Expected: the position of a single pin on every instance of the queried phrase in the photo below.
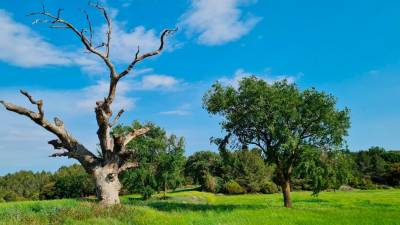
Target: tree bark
(287, 200)
(107, 184)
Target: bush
(232, 187)
(345, 188)
(210, 183)
(269, 187)
(147, 192)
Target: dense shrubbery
(231, 187)
(243, 170)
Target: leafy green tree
(394, 171)
(160, 157)
(23, 185)
(246, 167)
(325, 169)
(202, 164)
(372, 165)
(171, 164)
(280, 119)
(69, 182)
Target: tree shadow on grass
(175, 206)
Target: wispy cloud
(158, 81)
(218, 22)
(182, 110)
(21, 46)
(266, 75)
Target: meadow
(193, 207)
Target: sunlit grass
(193, 207)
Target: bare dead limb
(115, 121)
(149, 54)
(64, 141)
(128, 165)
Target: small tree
(171, 162)
(114, 154)
(161, 158)
(278, 118)
(201, 165)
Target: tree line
(236, 172)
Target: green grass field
(192, 207)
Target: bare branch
(128, 165)
(149, 54)
(135, 133)
(90, 27)
(39, 103)
(114, 122)
(86, 42)
(65, 140)
(109, 26)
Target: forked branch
(139, 57)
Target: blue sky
(348, 48)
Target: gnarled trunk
(107, 185)
(287, 200)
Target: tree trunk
(165, 188)
(107, 185)
(287, 200)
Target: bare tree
(114, 157)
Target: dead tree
(114, 157)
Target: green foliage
(280, 119)
(201, 164)
(269, 187)
(161, 159)
(23, 185)
(394, 171)
(67, 182)
(232, 187)
(246, 167)
(325, 169)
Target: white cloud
(267, 76)
(177, 112)
(156, 81)
(20, 46)
(182, 110)
(218, 22)
(124, 42)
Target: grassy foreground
(192, 207)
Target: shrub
(147, 192)
(232, 187)
(210, 183)
(345, 188)
(269, 187)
